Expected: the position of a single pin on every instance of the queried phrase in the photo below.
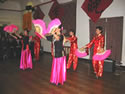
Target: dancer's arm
(12, 36)
(48, 37)
(72, 39)
(18, 35)
(89, 45)
(43, 37)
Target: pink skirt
(58, 71)
(26, 59)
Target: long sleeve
(102, 42)
(72, 39)
(49, 38)
(89, 45)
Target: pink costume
(58, 71)
(26, 58)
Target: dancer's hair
(100, 28)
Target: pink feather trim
(53, 24)
(102, 56)
(80, 53)
(7, 28)
(42, 26)
(10, 28)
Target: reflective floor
(36, 81)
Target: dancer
(36, 47)
(72, 57)
(58, 71)
(26, 58)
(98, 42)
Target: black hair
(60, 26)
(100, 28)
(71, 30)
(26, 30)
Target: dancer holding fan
(98, 42)
(58, 71)
(26, 58)
(12, 30)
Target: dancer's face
(25, 33)
(58, 31)
(71, 33)
(98, 31)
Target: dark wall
(69, 18)
(65, 12)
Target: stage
(36, 81)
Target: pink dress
(58, 71)
(26, 58)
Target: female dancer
(72, 57)
(98, 42)
(36, 47)
(58, 71)
(26, 58)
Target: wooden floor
(36, 81)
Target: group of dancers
(59, 65)
(26, 56)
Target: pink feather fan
(102, 56)
(53, 25)
(10, 28)
(81, 53)
(40, 27)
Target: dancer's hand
(66, 39)
(43, 36)
(101, 50)
(83, 48)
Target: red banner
(54, 0)
(38, 14)
(56, 11)
(94, 8)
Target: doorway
(113, 32)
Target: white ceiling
(41, 1)
(20, 4)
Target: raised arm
(72, 39)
